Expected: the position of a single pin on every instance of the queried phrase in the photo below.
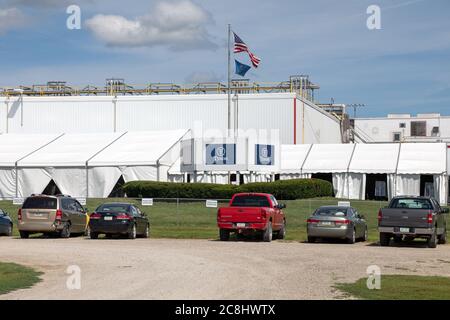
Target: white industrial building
(426, 127)
(294, 119)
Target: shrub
(282, 189)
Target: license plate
(108, 218)
(325, 223)
(404, 230)
(240, 225)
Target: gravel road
(203, 269)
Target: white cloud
(180, 25)
(11, 18)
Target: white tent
(145, 155)
(64, 161)
(330, 158)
(292, 159)
(14, 147)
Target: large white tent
(14, 147)
(292, 158)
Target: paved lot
(202, 269)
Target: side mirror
(362, 216)
(281, 206)
(86, 210)
(446, 210)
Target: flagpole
(229, 79)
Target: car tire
(433, 241)
(312, 239)
(268, 233)
(108, 235)
(282, 233)
(366, 235)
(224, 235)
(146, 233)
(93, 235)
(24, 234)
(443, 237)
(65, 232)
(385, 238)
(352, 238)
(398, 239)
(9, 231)
(132, 233)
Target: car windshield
(40, 203)
(331, 212)
(116, 207)
(405, 203)
(250, 201)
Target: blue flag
(241, 69)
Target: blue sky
(402, 68)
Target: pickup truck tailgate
(240, 214)
(413, 218)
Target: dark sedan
(6, 224)
(119, 219)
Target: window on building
(402, 125)
(435, 132)
(418, 128)
(397, 136)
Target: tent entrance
(117, 191)
(376, 187)
(51, 189)
(427, 185)
(323, 176)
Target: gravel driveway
(203, 269)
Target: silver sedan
(337, 222)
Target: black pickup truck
(407, 218)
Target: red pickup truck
(252, 212)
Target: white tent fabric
(293, 157)
(14, 147)
(349, 185)
(375, 158)
(145, 155)
(422, 158)
(440, 188)
(408, 184)
(63, 161)
(329, 158)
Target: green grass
(14, 277)
(400, 287)
(191, 219)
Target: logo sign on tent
(220, 154)
(265, 154)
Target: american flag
(240, 46)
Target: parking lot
(208, 269)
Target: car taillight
(380, 215)
(95, 216)
(342, 221)
(123, 216)
(59, 215)
(430, 217)
(312, 221)
(19, 215)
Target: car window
(411, 203)
(113, 207)
(138, 211)
(274, 201)
(78, 206)
(332, 212)
(250, 201)
(65, 204)
(40, 203)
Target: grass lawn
(14, 277)
(191, 219)
(400, 287)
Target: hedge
(282, 189)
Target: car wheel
(93, 235)
(224, 235)
(366, 235)
(24, 234)
(268, 233)
(65, 232)
(443, 237)
(384, 239)
(352, 238)
(398, 239)
(147, 232)
(311, 239)
(433, 241)
(108, 236)
(9, 231)
(282, 233)
(132, 233)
